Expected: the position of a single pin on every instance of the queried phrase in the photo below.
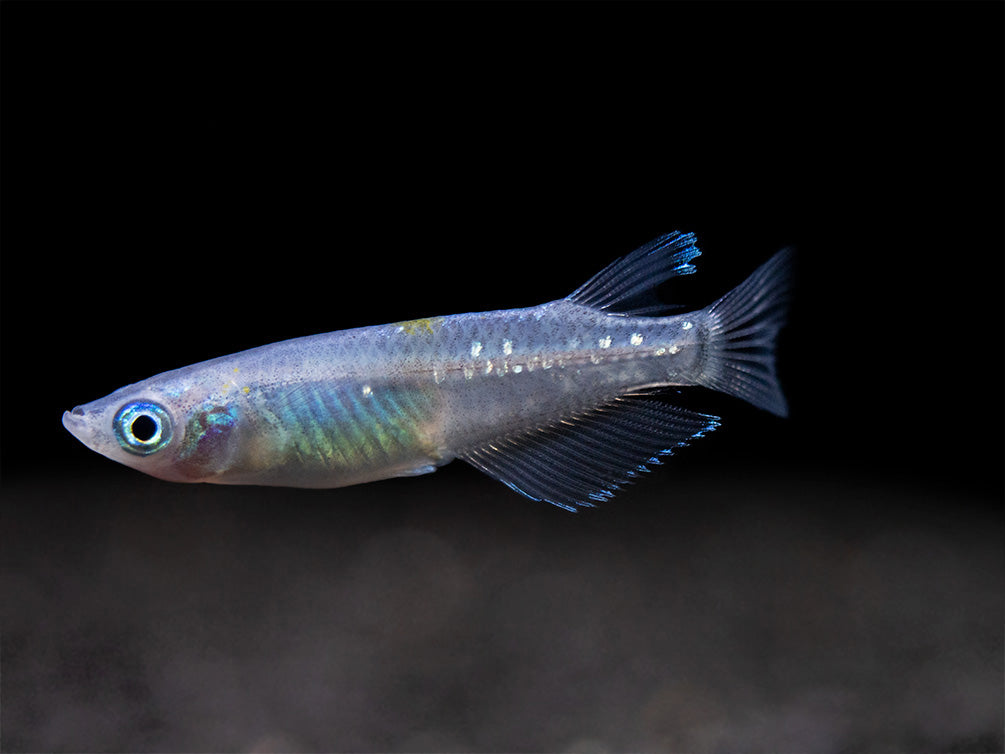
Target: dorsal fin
(583, 459)
(623, 285)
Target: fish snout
(76, 424)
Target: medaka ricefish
(557, 401)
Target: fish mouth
(77, 425)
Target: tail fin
(743, 327)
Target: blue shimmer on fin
(626, 285)
(418, 470)
(585, 459)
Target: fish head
(159, 429)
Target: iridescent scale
(346, 429)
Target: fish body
(554, 400)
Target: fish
(565, 402)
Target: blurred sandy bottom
(447, 614)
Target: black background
(182, 181)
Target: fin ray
(744, 324)
(626, 285)
(584, 458)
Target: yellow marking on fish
(245, 389)
(423, 326)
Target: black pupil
(143, 428)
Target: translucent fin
(626, 285)
(417, 471)
(743, 327)
(584, 459)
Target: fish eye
(142, 428)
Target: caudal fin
(743, 327)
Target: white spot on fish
(660, 351)
(488, 367)
(674, 349)
(507, 347)
(367, 390)
(468, 372)
(636, 339)
(686, 326)
(604, 342)
(476, 348)
(517, 368)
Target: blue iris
(142, 428)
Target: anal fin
(583, 459)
